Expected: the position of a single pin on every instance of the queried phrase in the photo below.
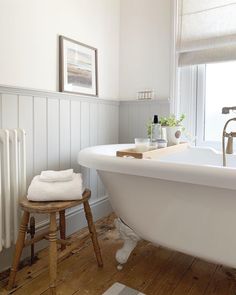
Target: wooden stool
(51, 208)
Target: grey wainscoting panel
(65, 134)
(26, 119)
(85, 136)
(9, 102)
(58, 125)
(40, 140)
(93, 140)
(135, 114)
(53, 134)
(75, 133)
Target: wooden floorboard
(150, 269)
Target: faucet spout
(226, 110)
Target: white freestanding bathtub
(185, 201)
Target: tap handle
(229, 147)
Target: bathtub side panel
(196, 220)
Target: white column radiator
(12, 183)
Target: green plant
(149, 128)
(172, 121)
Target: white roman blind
(206, 31)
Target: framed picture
(78, 67)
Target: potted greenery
(149, 128)
(173, 128)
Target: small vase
(173, 134)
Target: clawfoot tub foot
(130, 241)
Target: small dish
(162, 143)
(142, 144)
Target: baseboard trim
(75, 220)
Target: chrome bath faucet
(229, 135)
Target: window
(220, 91)
(205, 58)
(216, 88)
(204, 91)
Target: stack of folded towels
(56, 186)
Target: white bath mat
(120, 289)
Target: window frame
(192, 98)
(200, 105)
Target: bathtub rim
(208, 175)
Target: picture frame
(78, 70)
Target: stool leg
(93, 232)
(62, 228)
(53, 253)
(32, 234)
(18, 249)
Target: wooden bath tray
(153, 153)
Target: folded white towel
(55, 191)
(56, 176)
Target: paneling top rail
(53, 94)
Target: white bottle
(156, 129)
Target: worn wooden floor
(152, 270)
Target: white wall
(145, 41)
(29, 31)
